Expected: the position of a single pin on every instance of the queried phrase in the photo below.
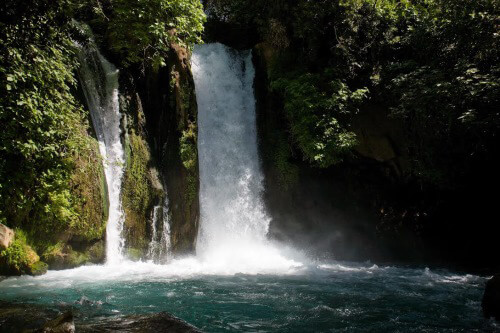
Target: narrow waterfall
(159, 246)
(99, 80)
(234, 223)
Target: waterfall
(234, 222)
(159, 246)
(99, 80)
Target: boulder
(158, 322)
(19, 258)
(62, 324)
(491, 298)
(31, 318)
(6, 236)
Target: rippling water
(319, 298)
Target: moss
(138, 191)
(97, 252)
(39, 268)
(188, 147)
(19, 258)
(135, 254)
(189, 158)
(191, 189)
(137, 194)
(62, 256)
(141, 191)
(89, 186)
(76, 259)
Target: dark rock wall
(141, 188)
(170, 108)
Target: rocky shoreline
(18, 317)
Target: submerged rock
(491, 298)
(159, 322)
(31, 318)
(6, 236)
(62, 324)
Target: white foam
(234, 223)
(347, 268)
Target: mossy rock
(88, 184)
(141, 191)
(97, 252)
(63, 256)
(39, 268)
(19, 258)
(135, 254)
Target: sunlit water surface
(315, 298)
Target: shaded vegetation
(433, 63)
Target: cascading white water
(159, 246)
(234, 223)
(99, 80)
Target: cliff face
(371, 206)
(142, 188)
(170, 108)
(161, 148)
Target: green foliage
(44, 126)
(313, 105)
(447, 88)
(189, 156)
(49, 162)
(143, 30)
(19, 258)
(51, 177)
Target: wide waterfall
(99, 80)
(234, 223)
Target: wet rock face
(142, 187)
(159, 322)
(169, 102)
(6, 236)
(31, 318)
(491, 298)
(62, 324)
(39, 319)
